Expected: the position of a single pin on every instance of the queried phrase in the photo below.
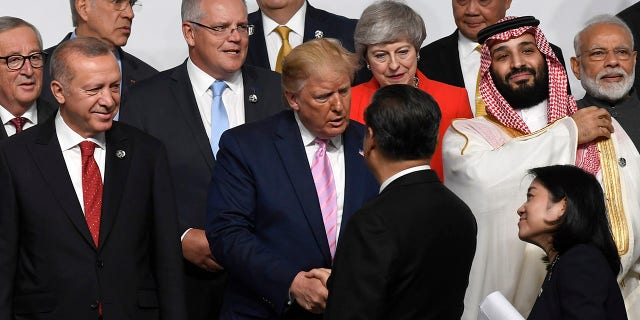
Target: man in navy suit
(265, 220)
(175, 107)
(306, 23)
(21, 65)
(110, 22)
(76, 245)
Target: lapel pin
(253, 98)
(361, 152)
(622, 162)
(319, 34)
(120, 154)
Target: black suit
(405, 255)
(133, 70)
(44, 110)
(580, 285)
(631, 16)
(165, 107)
(440, 60)
(317, 24)
(49, 265)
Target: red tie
(18, 122)
(91, 189)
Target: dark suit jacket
(631, 16)
(317, 24)
(133, 70)
(165, 107)
(580, 286)
(264, 219)
(44, 109)
(50, 267)
(405, 255)
(440, 60)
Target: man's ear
(575, 67)
(83, 7)
(188, 32)
(292, 100)
(57, 89)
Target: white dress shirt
(535, 117)
(335, 152)
(69, 141)
(402, 173)
(272, 38)
(470, 65)
(232, 97)
(31, 115)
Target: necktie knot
(322, 146)
(87, 148)
(19, 123)
(218, 87)
(283, 32)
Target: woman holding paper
(565, 215)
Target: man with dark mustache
(531, 121)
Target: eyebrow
(519, 45)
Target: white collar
(31, 114)
(69, 138)
(296, 23)
(201, 81)
(402, 173)
(466, 46)
(309, 139)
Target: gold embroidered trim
(613, 195)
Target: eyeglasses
(16, 61)
(225, 31)
(121, 5)
(601, 54)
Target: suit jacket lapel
(48, 157)
(257, 45)
(117, 166)
(310, 24)
(45, 110)
(289, 145)
(355, 170)
(186, 102)
(3, 132)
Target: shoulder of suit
(438, 45)
(324, 16)
(139, 65)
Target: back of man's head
(404, 121)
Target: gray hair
(388, 21)
(85, 46)
(600, 19)
(9, 23)
(191, 10)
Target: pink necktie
(18, 122)
(326, 188)
(91, 189)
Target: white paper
(496, 307)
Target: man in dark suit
(110, 22)
(175, 107)
(631, 16)
(21, 80)
(406, 254)
(454, 59)
(284, 187)
(305, 22)
(88, 218)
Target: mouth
(520, 76)
(337, 122)
(613, 77)
(232, 51)
(475, 24)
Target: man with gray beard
(605, 64)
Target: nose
(128, 12)
(520, 210)
(393, 62)
(611, 60)
(336, 102)
(109, 98)
(234, 34)
(517, 61)
(27, 69)
(472, 8)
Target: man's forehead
(524, 39)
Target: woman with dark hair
(565, 215)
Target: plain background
(157, 36)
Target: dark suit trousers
(203, 289)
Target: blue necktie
(219, 118)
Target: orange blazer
(453, 103)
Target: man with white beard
(605, 64)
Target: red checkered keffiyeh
(560, 104)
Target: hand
(309, 290)
(321, 274)
(592, 123)
(195, 248)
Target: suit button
(99, 264)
